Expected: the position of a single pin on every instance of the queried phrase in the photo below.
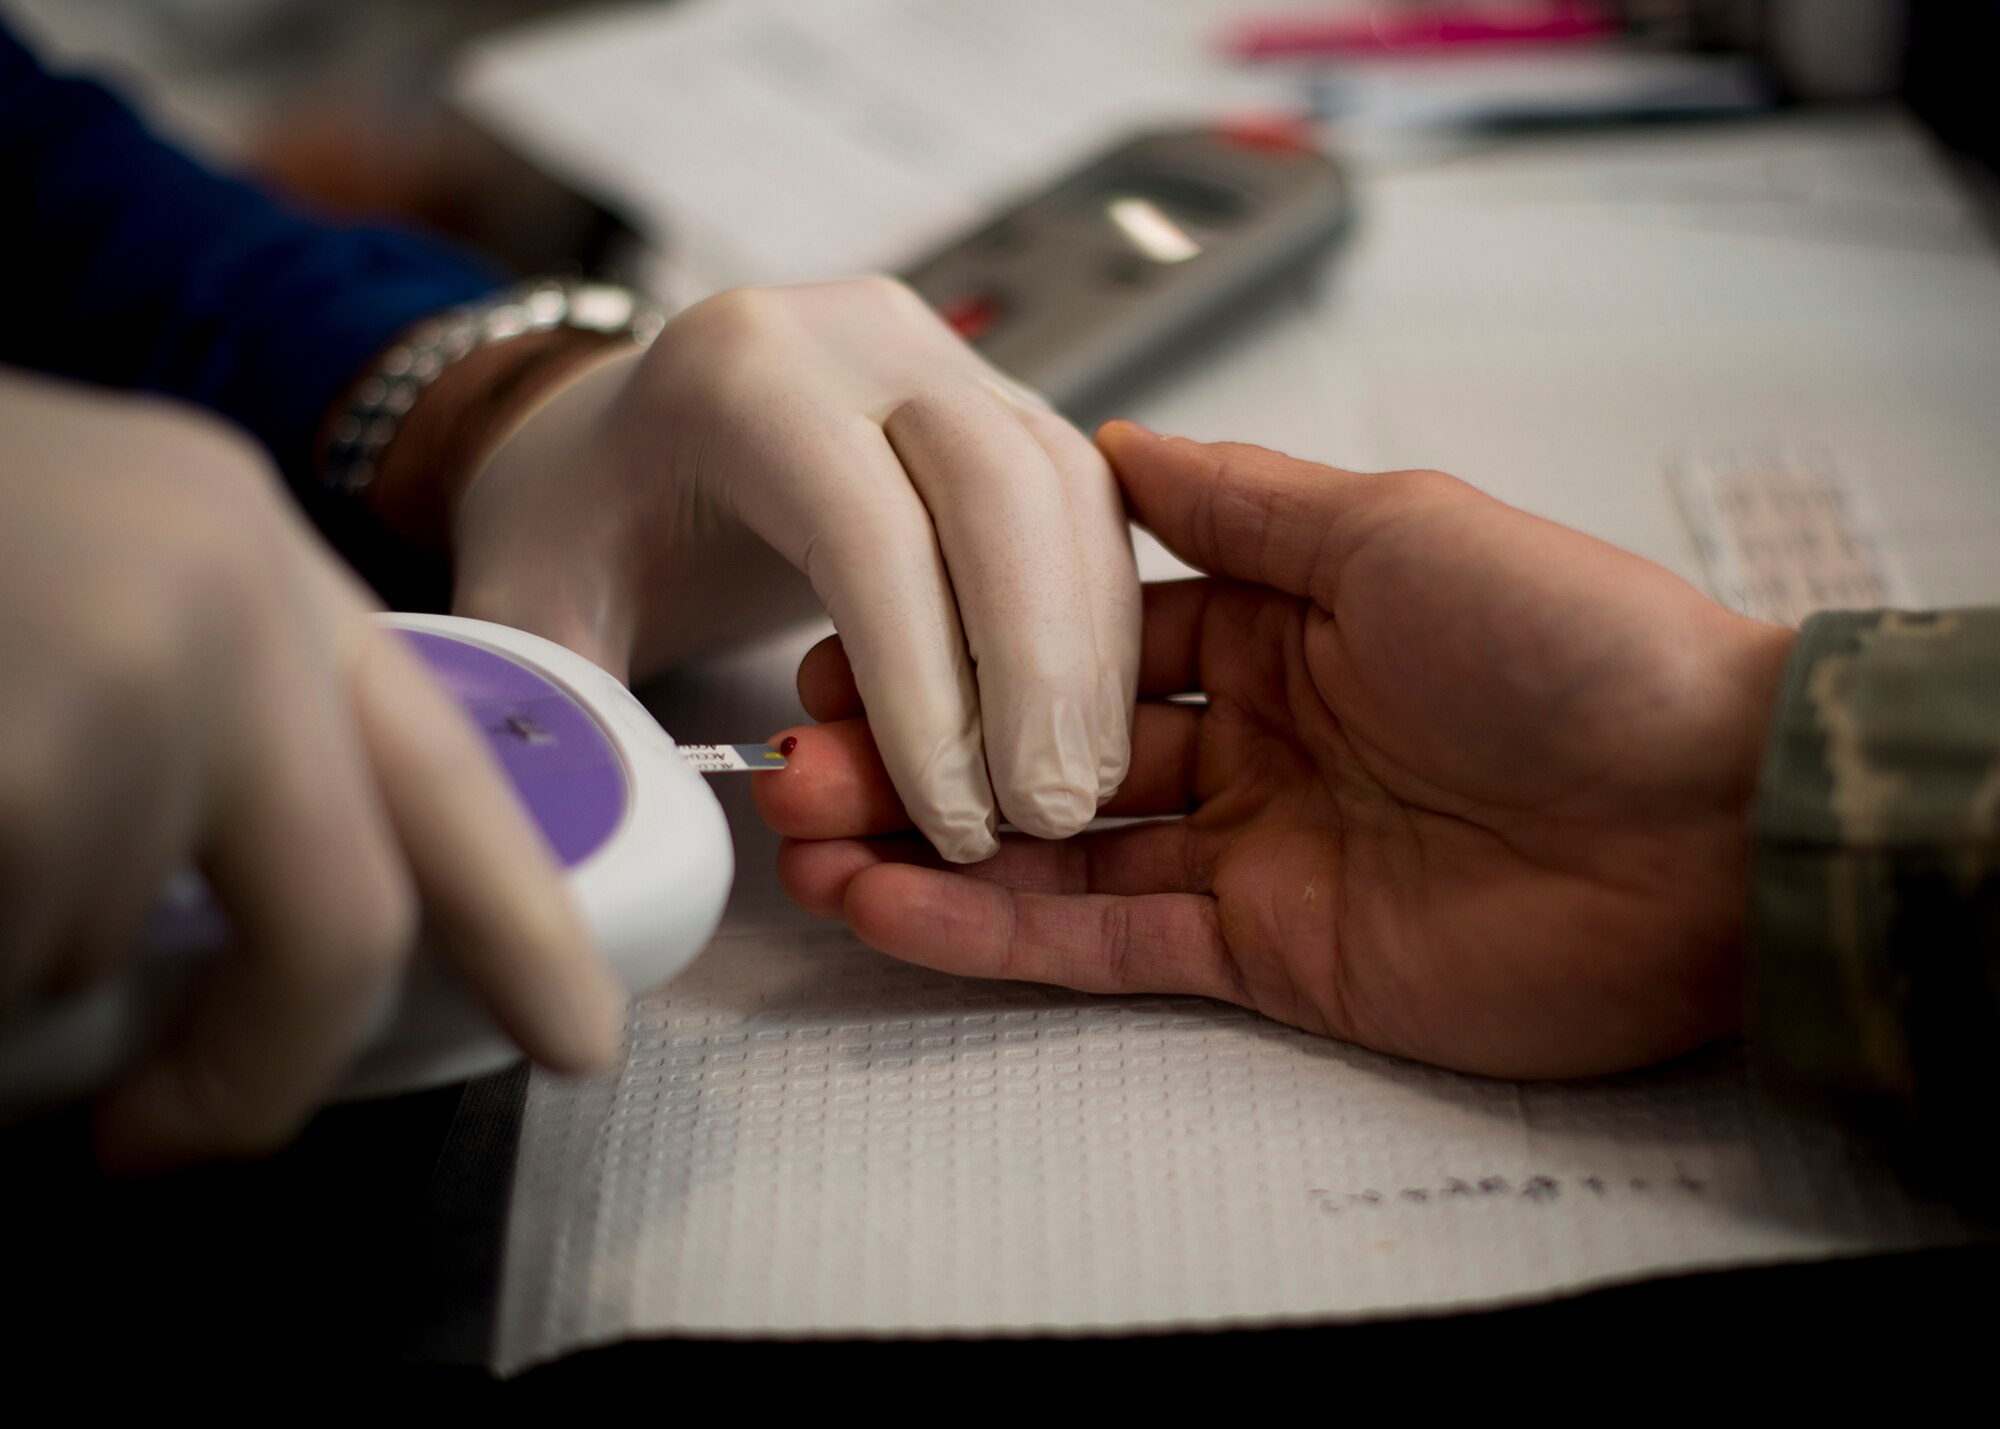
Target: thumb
(1248, 513)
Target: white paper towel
(807, 1137)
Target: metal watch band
(424, 352)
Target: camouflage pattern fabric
(1874, 919)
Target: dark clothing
(131, 265)
(1874, 926)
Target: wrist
(1764, 651)
(467, 415)
(413, 429)
(1754, 656)
(544, 532)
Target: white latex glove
(969, 544)
(191, 678)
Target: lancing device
(642, 838)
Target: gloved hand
(1468, 786)
(969, 544)
(192, 679)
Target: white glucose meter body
(644, 842)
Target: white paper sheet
(808, 1138)
(789, 140)
(1783, 532)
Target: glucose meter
(643, 840)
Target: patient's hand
(1469, 786)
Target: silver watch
(421, 355)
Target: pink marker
(1406, 29)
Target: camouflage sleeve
(1874, 920)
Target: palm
(1468, 787)
(1469, 821)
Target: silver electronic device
(1095, 284)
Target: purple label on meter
(565, 769)
(561, 763)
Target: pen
(1413, 29)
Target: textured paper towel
(808, 1137)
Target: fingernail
(1125, 429)
(1053, 773)
(969, 846)
(607, 1037)
(589, 1012)
(1056, 813)
(1114, 734)
(961, 833)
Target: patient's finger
(1168, 857)
(1165, 773)
(834, 785)
(826, 682)
(815, 872)
(1170, 657)
(1161, 942)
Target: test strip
(731, 758)
(1782, 532)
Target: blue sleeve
(131, 265)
